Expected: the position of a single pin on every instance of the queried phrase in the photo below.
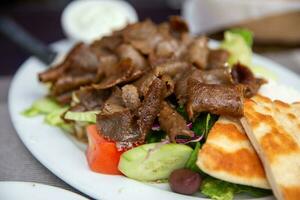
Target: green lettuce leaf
(88, 116)
(41, 106)
(238, 48)
(222, 190)
(217, 189)
(246, 34)
(238, 43)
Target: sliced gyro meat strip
(124, 72)
(92, 99)
(243, 75)
(216, 99)
(143, 36)
(150, 108)
(198, 52)
(127, 51)
(168, 85)
(172, 122)
(181, 85)
(172, 68)
(130, 97)
(69, 83)
(217, 58)
(118, 126)
(212, 76)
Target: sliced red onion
(189, 140)
(190, 125)
(165, 141)
(155, 127)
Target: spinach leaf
(203, 124)
(191, 163)
(255, 192)
(181, 110)
(155, 136)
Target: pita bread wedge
(273, 128)
(228, 155)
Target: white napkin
(211, 15)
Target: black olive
(185, 181)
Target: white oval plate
(62, 156)
(28, 190)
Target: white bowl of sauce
(87, 20)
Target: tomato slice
(102, 155)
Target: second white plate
(27, 191)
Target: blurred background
(276, 23)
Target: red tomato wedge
(102, 155)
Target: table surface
(17, 164)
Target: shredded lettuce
(54, 117)
(41, 106)
(88, 116)
(222, 190)
(52, 112)
(67, 127)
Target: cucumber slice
(155, 161)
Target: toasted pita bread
(273, 128)
(228, 155)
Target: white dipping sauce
(88, 20)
